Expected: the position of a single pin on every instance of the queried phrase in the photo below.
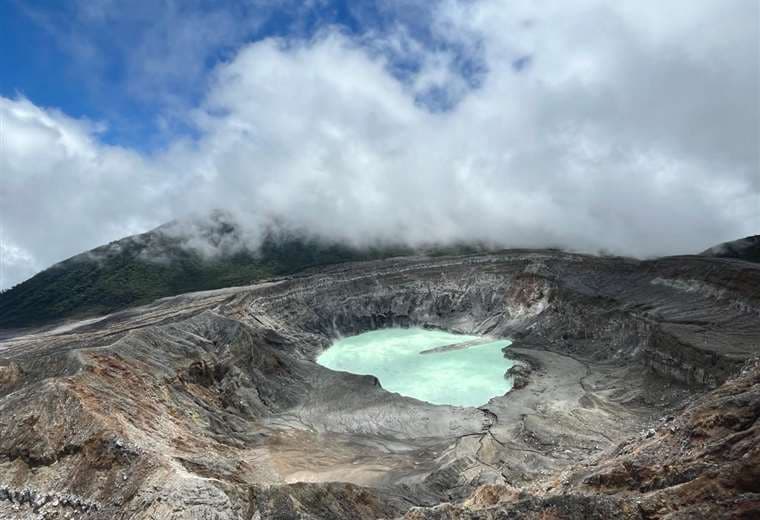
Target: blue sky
(80, 57)
(584, 124)
(57, 56)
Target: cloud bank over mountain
(630, 127)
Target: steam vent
(625, 389)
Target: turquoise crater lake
(467, 371)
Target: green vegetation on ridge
(142, 268)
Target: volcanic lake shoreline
(468, 375)
(210, 405)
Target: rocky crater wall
(210, 405)
(599, 308)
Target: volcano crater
(212, 404)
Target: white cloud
(62, 191)
(631, 129)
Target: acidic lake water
(462, 377)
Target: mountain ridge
(170, 260)
(205, 254)
(747, 248)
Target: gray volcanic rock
(521, 369)
(210, 405)
(705, 463)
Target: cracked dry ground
(636, 396)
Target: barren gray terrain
(211, 405)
